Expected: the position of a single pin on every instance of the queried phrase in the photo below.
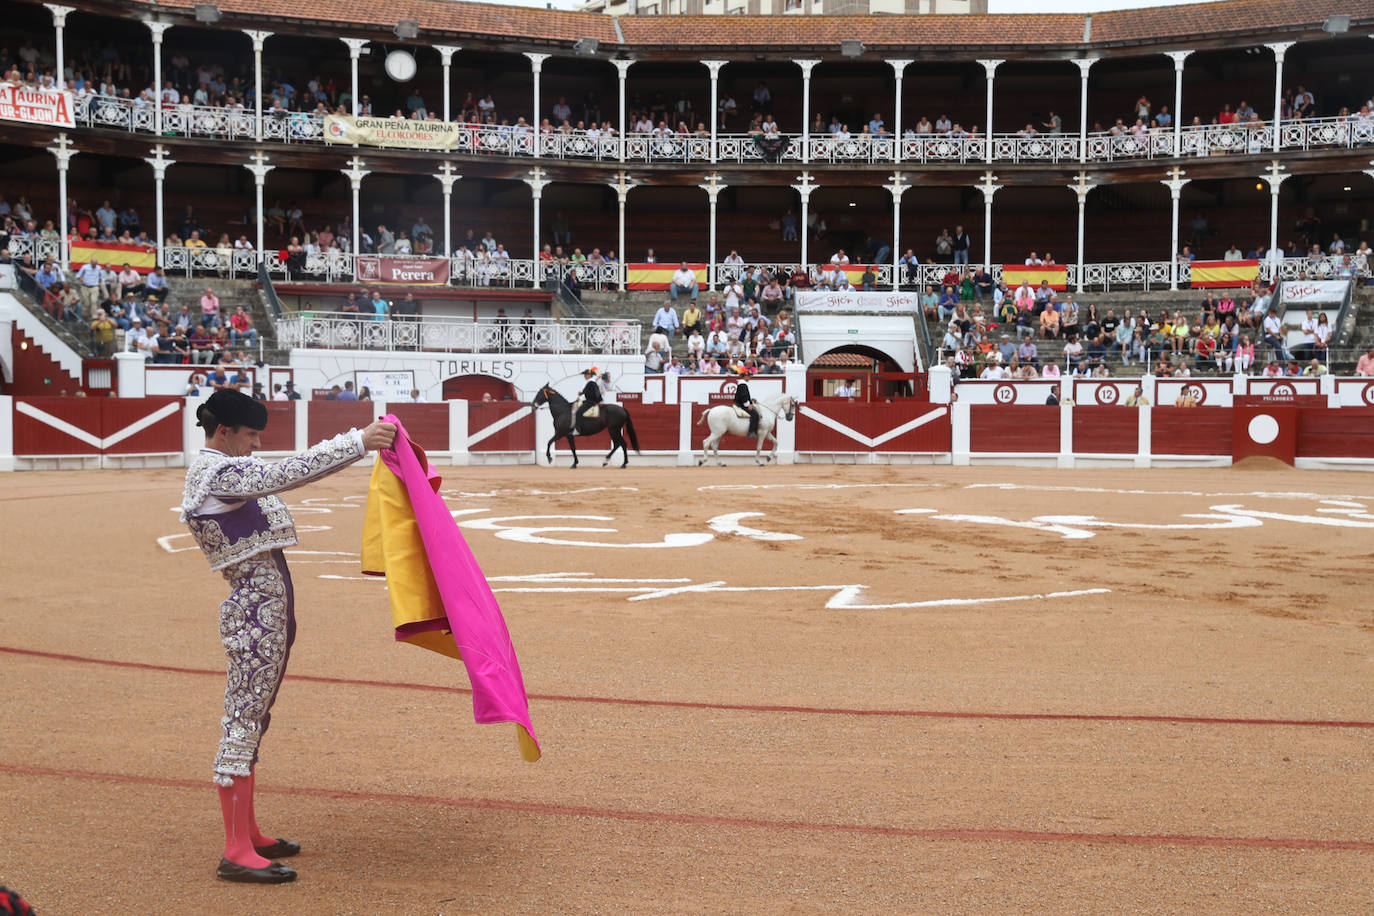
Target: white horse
(723, 419)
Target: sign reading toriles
(36, 106)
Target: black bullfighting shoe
(273, 873)
(278, 849)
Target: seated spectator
(241, 327)
(655, 358)
(665, 319)
(1049, 323)
(684, 283)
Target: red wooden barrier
(280, 434)
(1106, 430)
(517, 436)
(1344, 433)
(329, 418)
(1028, 428)
(94, 426)
(426, 424)
(902, 426)
(1190, 431)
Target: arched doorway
(475, 387)
(877, 374)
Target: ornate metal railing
(451, 335)
(520, 141)
(520, 273)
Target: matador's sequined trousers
(257, 625)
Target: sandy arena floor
(928, 697)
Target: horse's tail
(630, 429)
(701, 419)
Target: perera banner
(408, 271)
(394, 132)
(36, 106)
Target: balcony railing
(520, 142)
(337, 267)
(452, 335)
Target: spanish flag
(139, 258)
(658, 276)
(1219, 274)
(1015, 274)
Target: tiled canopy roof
(458, 20)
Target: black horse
(613, 418)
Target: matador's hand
(379, 435)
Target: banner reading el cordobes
(396, 133)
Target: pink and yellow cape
(440, 600)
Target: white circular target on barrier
(1004, 394)
(1263, 429)
(1106, 394)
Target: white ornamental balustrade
(539, 335)
(103, 112)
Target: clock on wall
(400, 66)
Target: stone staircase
(1358, 337)
(232, 294)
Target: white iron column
(1081, 188)
(259, 167)
(622, 186)
(355, 175)
(806, 67)
(1175, 185)
(1084, 65)
(804, 187)
(897, 186)
(1279, 48)
(63, 153)
(899, 69)
(1275, 177)
(537, 183)
(356, 46)
(536, 67)
(989, 187)
(990, 67)
(447, 177)
(713, 66)
(160, 164)
(622, 68)
(258, 38)
(713, 187)
(157, 28)
(59, 22)
(446, 52)
(1178, 58)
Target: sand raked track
(857, 689)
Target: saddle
(591, 413)
(740, 412)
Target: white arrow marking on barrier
(493, 429)
(76, 432)
(730, 524)
(876, 441)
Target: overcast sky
(995, 6)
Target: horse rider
(743, 399)
(591, 395)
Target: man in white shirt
(665, 320)
(1233, 254)
(88, 280)
(416, 397)
(684, 281)
(733, 259)
(1274, 333)
(842, 390)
